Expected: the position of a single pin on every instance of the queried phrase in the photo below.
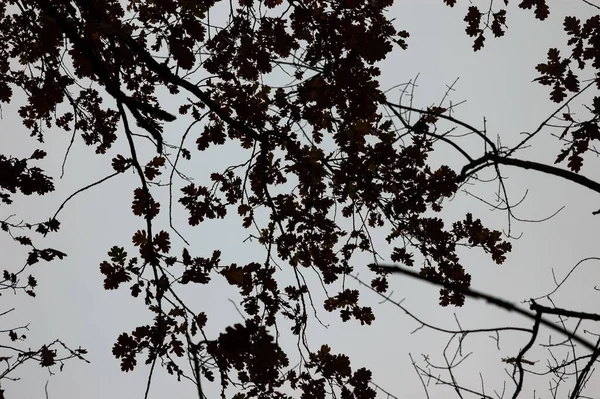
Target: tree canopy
(327, 158)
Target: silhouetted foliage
(109, 70)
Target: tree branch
(493, 300)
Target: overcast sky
(496, 84)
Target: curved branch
(519, 360)
(88, 187)
(551, 170)
(442, 116)
(558, 285)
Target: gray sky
(496, 84)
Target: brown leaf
(162, 242)
(558, 93)
(473, 20)
(38, 154)
(478, 43)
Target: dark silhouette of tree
(329, 144)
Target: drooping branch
(399, 305)
(501, 303)
(109, 82)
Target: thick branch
(548, 169)
(493, 300)
(565, 312)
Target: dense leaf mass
(325, 162)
